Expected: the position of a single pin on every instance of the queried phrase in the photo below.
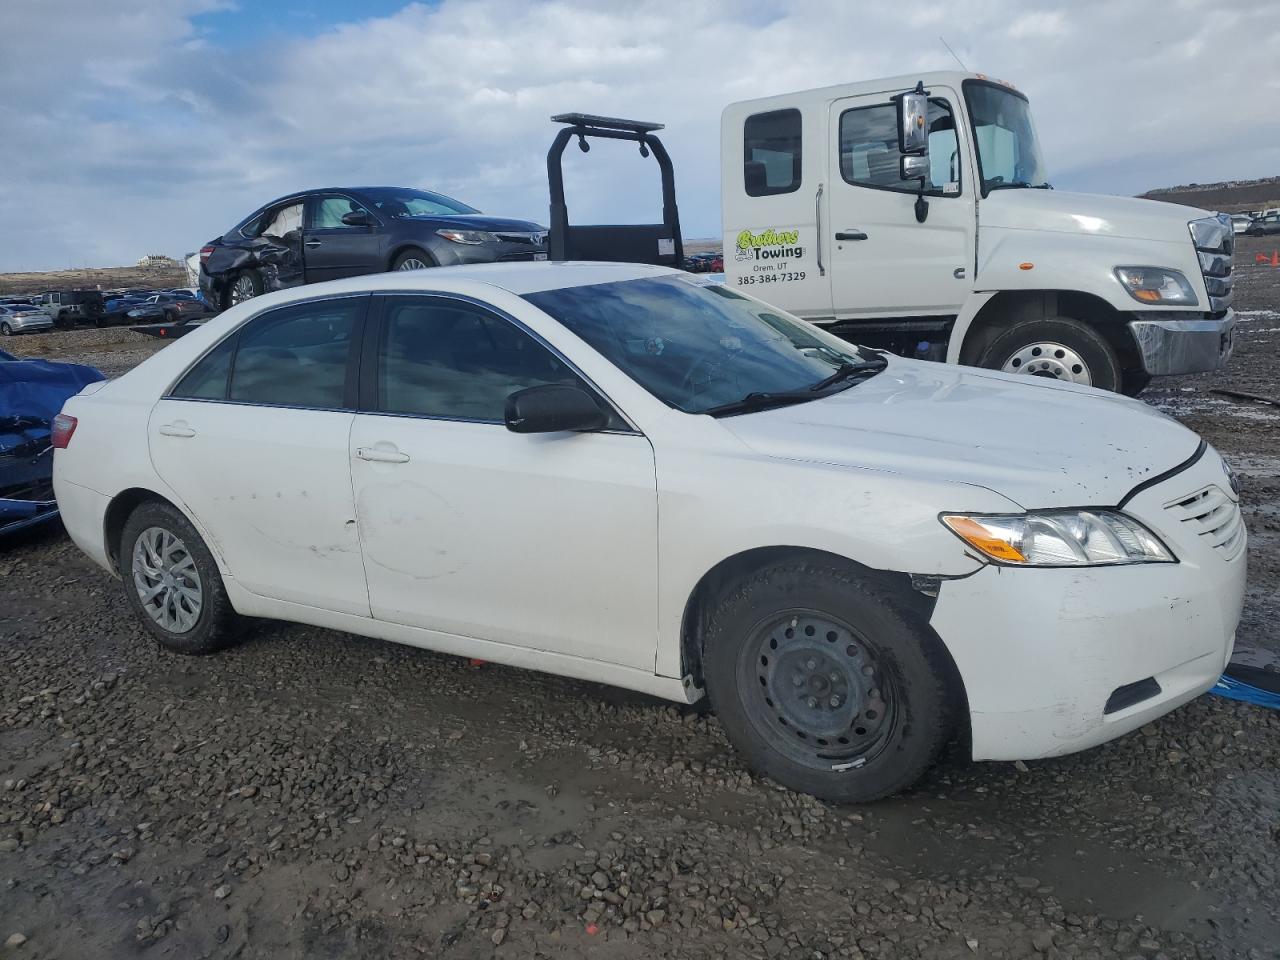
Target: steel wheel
(167, 581)
(412, 263)
(816, 691)
(242, 289)
(1054, 360)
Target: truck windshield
(699, 346)
(1008, 151)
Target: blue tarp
(31, 394)
(1234, 689)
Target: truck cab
(915, 213)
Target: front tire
(172, 582)
(1058, 348)
(6, 330)
(413, 259)
(825, 681)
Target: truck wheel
(1060, 348)
(413, 259)
(824, 684)
(172, 582)
(246, 285)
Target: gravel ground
(312, 794)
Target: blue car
(31, 394)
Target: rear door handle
(851, 234)
(382, 455)
(178, 428)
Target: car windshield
(1008, 151)
(398, 204)
(697, 345)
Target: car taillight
(204, 255)
(64, 425)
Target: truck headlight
(1156, 285)
(1060, 538)
(467, 236)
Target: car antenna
(658, 243)
(953, 53)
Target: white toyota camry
(627, 474)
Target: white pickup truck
(914, 213)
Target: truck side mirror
(913, 142)
(915, 168)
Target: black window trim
(955, 120)
(350, 386)
(799, 181)
(965, 87)
(372, 343)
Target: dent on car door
(542, 541)
(253, 439)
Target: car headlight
(1060, 538)
(1156, 285)
(467, 236)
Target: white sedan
(627, 474)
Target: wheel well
(1010, 306)
(118, 511)
(733, 569)
(404, 248)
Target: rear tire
(245, 285)
(6, 330)
(825, 682)
(172, 582)
(1060, 348)
(413, 259)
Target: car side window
(771, 153)
(326, 213)
(282, 221)
(869, 154)
(296, 356)
(207, 380)
(454, 360)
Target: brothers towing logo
(769, 244)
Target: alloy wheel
(242, 289)
(1054, 360)
(817, 691)
(167, 580)
(412, 263)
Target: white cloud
(146, 134)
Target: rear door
(253, 438)
(883, 261)
(333, 249)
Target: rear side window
(207, 380)
(449, 359)
(869, 154)
(296, 356)
(771, 153)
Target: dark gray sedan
(348, 231)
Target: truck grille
(1215, 242)
(1213, 515)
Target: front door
(253, 439)
(541, 541)
(334, 249)
(884, 262)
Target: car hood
(1038, 442)
(479, 221)
(1060, 212)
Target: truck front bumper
(1178, 343)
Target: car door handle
(312, 243)
(382, 455)
(851, 234)
(178, 428)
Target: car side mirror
(357, 218)
(553, 408)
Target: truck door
(883, 262)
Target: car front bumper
(33, 324)
(1043, 651)
(1177, 343)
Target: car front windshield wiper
(1019, 185)
(766, 400)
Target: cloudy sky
(137, 126)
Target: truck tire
(161, 551)
(245, 285)
(1060, 348)
(412, 259)
(824, 683)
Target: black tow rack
(658, 243)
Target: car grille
(531, 239)
(1215, 265)
(1213, 515)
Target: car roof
(519, 278)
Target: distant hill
(1231, 196)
